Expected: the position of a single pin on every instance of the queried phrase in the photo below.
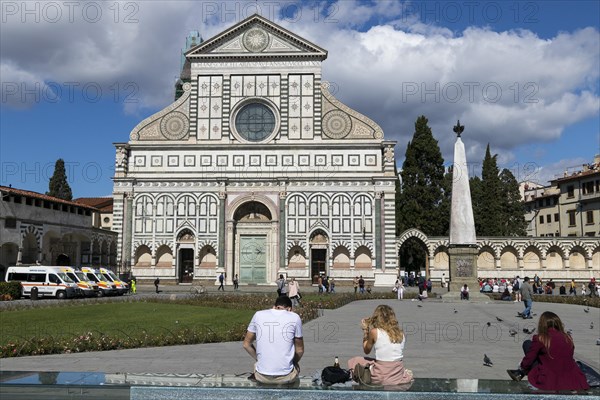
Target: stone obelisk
(463, 244)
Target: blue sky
(77, 80)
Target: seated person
(383, 335)
(464, 293)
(548, 361)
(506, 295)
(486, 288)
(562, 290)
(423, 294)
(276, 354)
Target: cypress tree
(513, 212)
(476, 201)
(490, 216)
(420, 203)
(59, 187)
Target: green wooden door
(253, 260)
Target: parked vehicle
(106, 287)
(47, 280)
(88, 287)
(110, 276)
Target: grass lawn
(117, 319)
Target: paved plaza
(444, 340)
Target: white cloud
(508, 88)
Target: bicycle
(197, 289)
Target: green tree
(421, 201)
(490, 212)
(513, 212)
(476, 189)
(59, 187)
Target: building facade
(569, 206)
(256, 170)
(36, 228)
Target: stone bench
(91, 385)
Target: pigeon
(527, 331)
(499, 319)
(489, 324)
(587, 310)
(455, 311)
(512, 332)
(418, 305)
(592, 325)
(486, 361)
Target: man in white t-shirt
(274, 340)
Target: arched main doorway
(319, 241)
(185, 256)
(252, 234)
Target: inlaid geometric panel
(189, 161)
(210, 106)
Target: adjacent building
(569, 206)
(36, 228)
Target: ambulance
(50, 281)
(88, 288)
(122, 287)
(106, 287)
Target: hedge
(10, 290)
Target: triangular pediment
(256, 37)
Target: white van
(105, 286)
(49, 281)
(87, 287)
(110, 276)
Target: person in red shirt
(548, 361)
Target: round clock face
(255, 122)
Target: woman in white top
(382, 334)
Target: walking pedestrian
(236, 282)
(156, 283)
(221, 282)
(527, 295)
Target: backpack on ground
(333, 375)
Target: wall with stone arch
(164, 256)
(341, 257)
(143, 257)
(208, 257)
(296, 257)
(557, 258)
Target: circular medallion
(174, 125)
(336, 124)
(255, 40)
(255, 122)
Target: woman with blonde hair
(548, 361)
(383, 336)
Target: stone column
(230, 247)
(282, 231)
(221, 254)
(378, 229)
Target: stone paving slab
(440, 343)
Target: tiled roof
(36, 195)
(104, 204)
(578, 175)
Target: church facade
(256, 170)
